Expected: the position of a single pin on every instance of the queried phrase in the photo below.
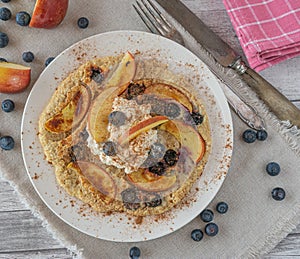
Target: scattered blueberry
(3, 40)
(261, 135)
(134, 252)
(207, 215)
(197, 117)
(3, 60)
(249, 136)
(49, 60)
(83, 22)
(222, 207)
(28, 56)
(5, 1)
(171, 157)
(109, 148)
(278, 194)
(197, 235)
(5, 14)
(23, 18)
(211, 229)
(7, 105)
(117, 118)
(7, 142)
(273, 168)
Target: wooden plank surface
(22, 234)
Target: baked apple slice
(48, 13)
(167, 91)
(13, 77)
(71, 115)
(98, 177)
(188, 136)
(147, 181)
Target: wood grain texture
(22, 234)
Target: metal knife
(226, 56)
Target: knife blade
(227, 57)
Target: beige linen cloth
(255, 222)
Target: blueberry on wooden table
(7, 105)
(261, 135)
(28, 56)
(207, 215)
(249, 136)
(3, 40)
(134, 252)
(5, 14)
(273, 168)
(222, 207)
(23, 18)
(49, 60)
(197, 235)
(83, 22)
(211, 229)
(278, 194)
(7, 142)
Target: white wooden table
(23, 236)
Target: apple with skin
(14, 78)
(48, 13)
(188, 136)
(98, 177)
(72, 114)
(141, 127)
(167, 91)
(147, 181)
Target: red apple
(48, 13)
(13, 77)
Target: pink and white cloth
(268, 30)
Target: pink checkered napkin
(268, 30)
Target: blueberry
(117, 118)
(207, 215)
(172, 110)
(23, 18)
(3, 60)
(153, 200)
(97, 75)
(278, 194)
(109, 148)
(49, 60)
(134, 252)
(171, 157)
(211, 229)
(7, 142)
(7, 105)
(222, 207)
(157, 150)
(197, 235)
(28, 56)
(261, 135)
(5, 1)
(5, 14)
(83, 22)
(158, 168)
(249, 136)
(130, 199)
(197, 117)
(133, 90)
(273, 168)
(3, 40)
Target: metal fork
(157, 23)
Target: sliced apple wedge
(98, 177)
(71, 115)
(167, 91)
(125, 71)
(147, 181)
(13, 77)
(141, 127)
(188, 136)
(48, 13)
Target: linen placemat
(255, 222)
(269, 31)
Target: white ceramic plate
(117, 226)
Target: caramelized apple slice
(13, 77)
(141, 127)
(48, 13)
(98, 177)
(147, 181)
(71, 115)
(167, 91)
(188, 136)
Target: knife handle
(276, 101)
